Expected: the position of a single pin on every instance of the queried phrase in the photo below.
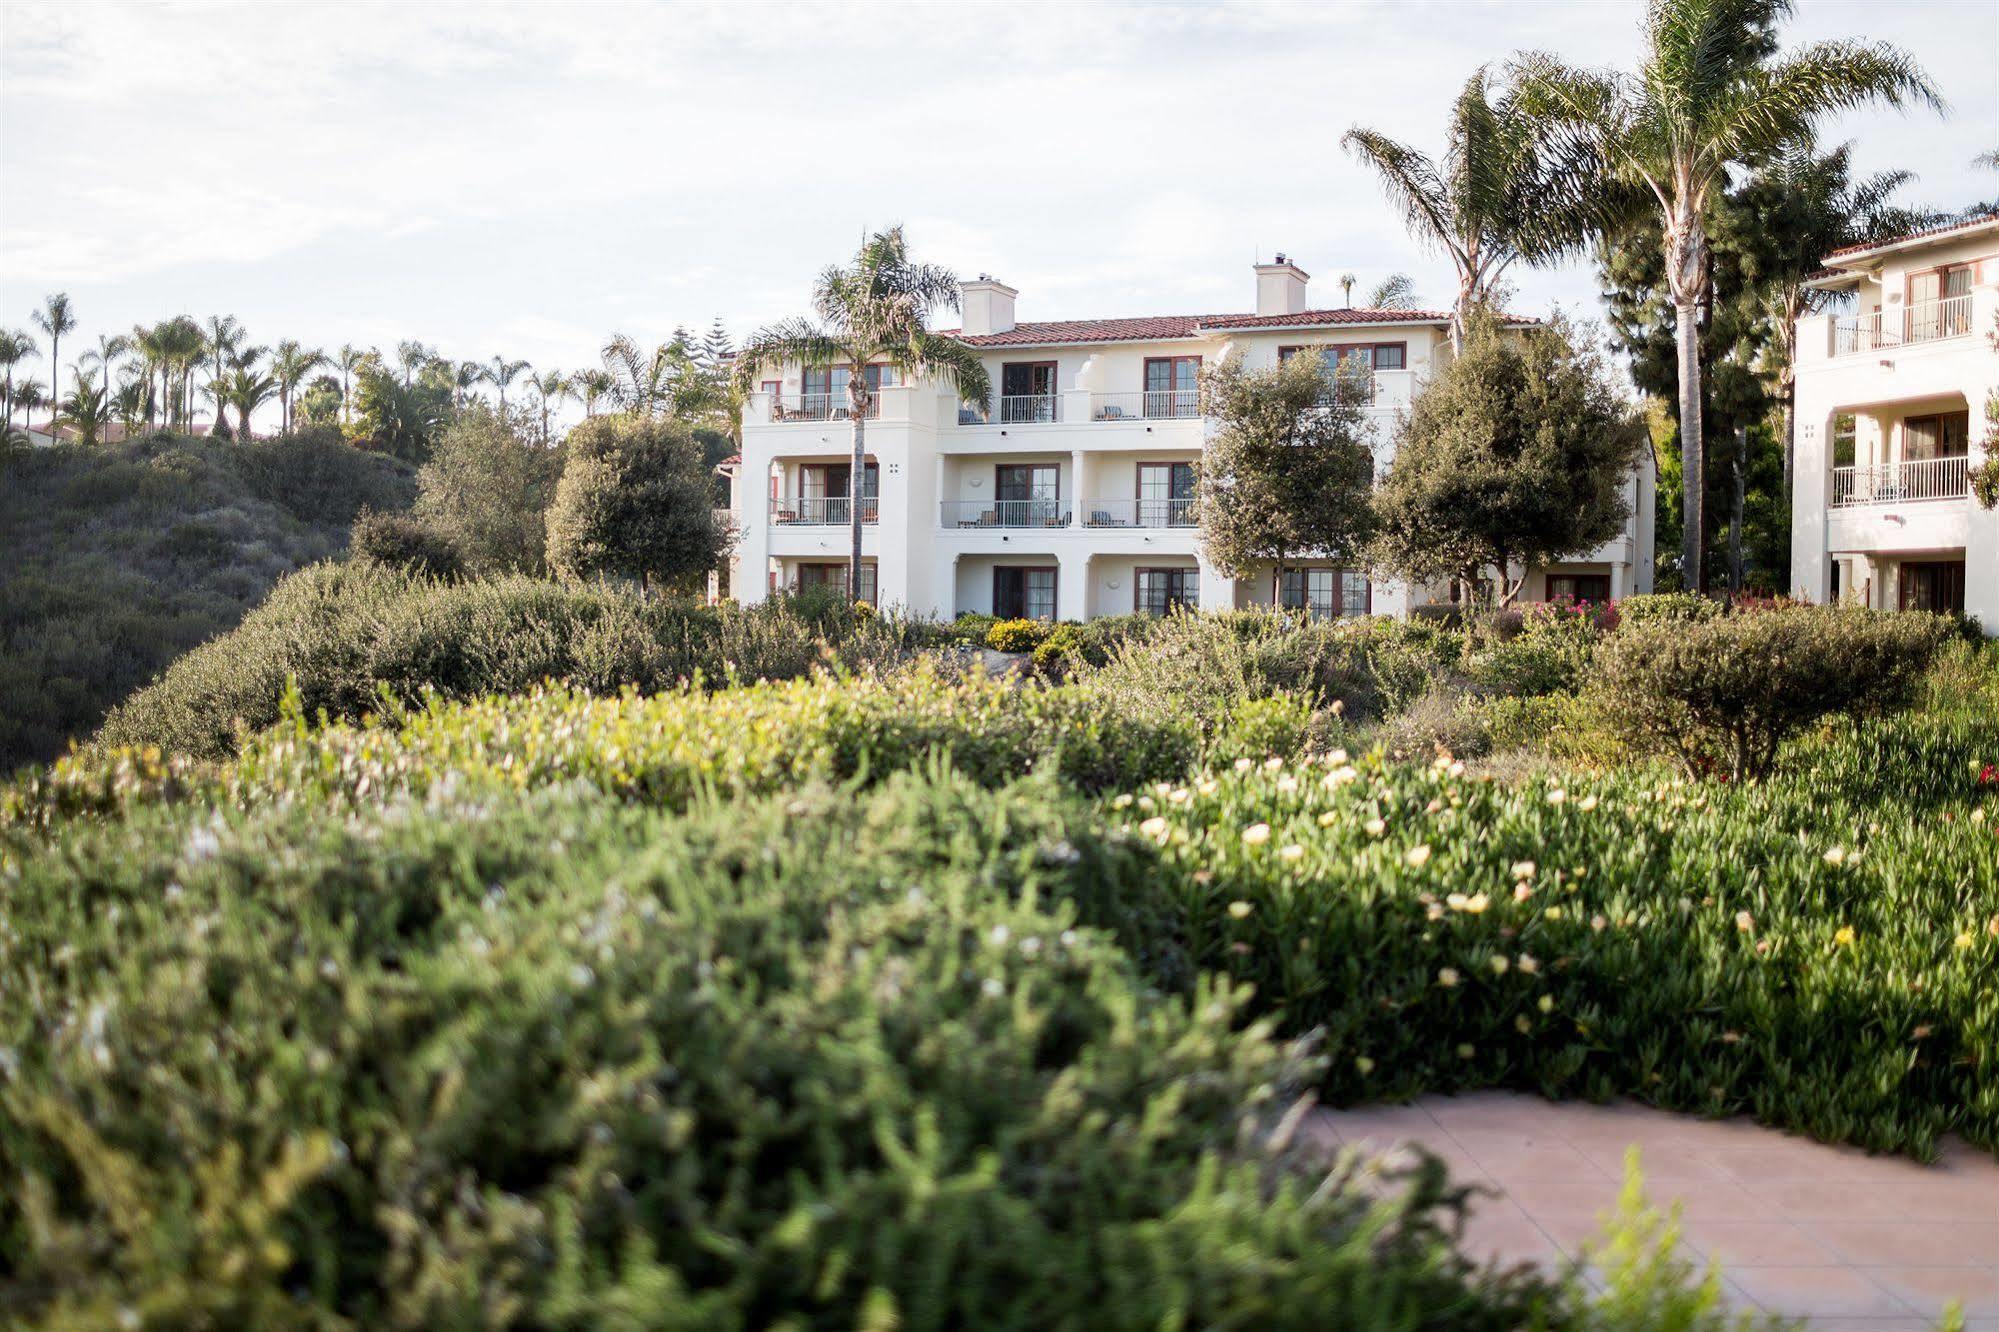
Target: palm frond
(1775, 104)
(789, 342)
(956, 363)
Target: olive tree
(635, 501)
(1289, 467)
(1515, 453)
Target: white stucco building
(1890, 396)
(1072, 498)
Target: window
(1943, 435)
(1166, 494)
(835, 576)
(1327, 592)
(825, 488)
(1158, 591)
(1934, 310)
(1845, 433)
(1933, 586)
(1027, 392)
(1172, 386)
(1024, 594)
(1028, 493)
(1579, 587)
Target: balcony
(1006, 513)
(1151, 405)
(1926, 321)
(1016, 409)
(1901, 482)
(818, 407)
(1114, 513)
(821, 511)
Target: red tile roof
(1983, 220)
(1154, 328)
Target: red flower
(1989, 775)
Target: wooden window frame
(1054, 369)
(1055, 601)
(1145, 372)
(999, 468)
(1577, 597)
(1179, 571)
(1937, 417)
(1339, 574)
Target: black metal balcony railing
(822, 510)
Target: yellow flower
(1523, 1024)
(1529, 963)
(1207, 786)
(1447, 977)
(1375, 827)
(1587, 803)
(1240, 909)
(1553, 913)
(1465, 1052)
(1499, 964)
(1363, 1065)
(1328, 819)
(1477, 903)
(1546, 1003)
(1843, 936)
(1256, 834)
(1418, 856)
(1292, 852)
(1966, 939)
(1523, 869)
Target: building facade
(1890, 399)
(1072, 497)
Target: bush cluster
(816, 1060)
(1018, 635)
(403, 542)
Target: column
(1072, 586)
(1217, 588)
(1617, 568)
(1079, 493)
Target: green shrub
(816, 1061)
(485, 488)
(1672, 607)
(1018, 635)
(345, 633)
(1816, 950)
(972, 627)
(636, 500)
(1060, 652)
(1723, 694)
(1548, 652)
(402, 542)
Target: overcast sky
(527, 179)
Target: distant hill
(114, 560)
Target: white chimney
(1280, 287)
(986, 304)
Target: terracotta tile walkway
(1801, 1229)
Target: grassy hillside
(119, 559)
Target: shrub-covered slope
(116, 560)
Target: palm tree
(465, 378)
(55, 318)
(552, 386)
(290, 364)
(1824, 209)
(349, 360)
(15, 347)
(105, 355)
(246, 389)
(134, 399)
(871, 312)
(1397, 291)
(592, 385)
(28, 396)
(1706, 96)
(501, 373)
(88, 408)
(413, 356)
(224, 334)
(1494, 197)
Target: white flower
(1243, 765)
(1000, 934)
(1287, 783)
(1178, 796)
(1447, 977)
(1546, 1003)
(1528, 963)
(1522, 1024)
(1328, 819)
(1292, 852)
(1499, 964)
(1154, 827)
(1375, 827)
(1522, 891)
(1122, 802)
(1836, 856)
(1523, 869)
(1456, 770)
(1340, 776)
(1272, 764)
(992, 988)
(1418, 856)
(1256, 834)
(1240, 909)
(1744, 921)
(1587, 803)
(1336, 758)
(1557, 796)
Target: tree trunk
(1693, 478)
(1735, 513)
(243, 421)
(857, 407)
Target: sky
(527, 179)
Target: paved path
(1847, 1240)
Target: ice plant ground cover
(923, 998)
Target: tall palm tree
(1493, 198)
(501, 373)
(28, 395)
(1707, 95)
(1397, 291)
(55, 318)
(290, 364)
(349, 360)
(466, 377)
(413, 356)
(16, 346)
(871, 312)
(88, 408)
(186, 347)
(551, 386)
(1823, 209)
(134, 399)
(592, 385)
(104, 355)
(224, 334)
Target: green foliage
(121, 558)
(815, 1061)
(1018, 635)
(485, 489)
(635, 501)
(1724, 694)
(1060, 652)
(1667, 607)
(1288, 468)
(403, 542)
(1815, 950)
(345, 633)
(1516, 452)
(396, 418)
(1550, 653)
